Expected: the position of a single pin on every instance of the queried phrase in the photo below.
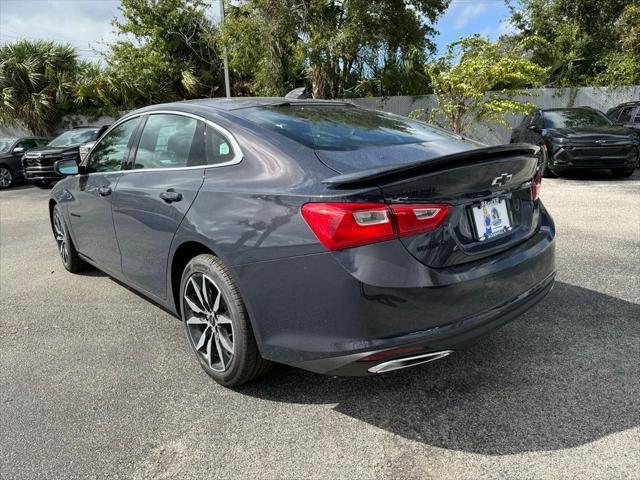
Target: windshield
(575, 117)
(5, 144)
(74, 137)
(342, 127)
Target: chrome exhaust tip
(407, 362)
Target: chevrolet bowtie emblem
(501, 180)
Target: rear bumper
(325, 312)
(450, 337)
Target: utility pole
(225, 58)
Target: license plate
(491, 218)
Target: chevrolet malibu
(317, 234)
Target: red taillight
(344, 225)
(536, 185)
(413, 219)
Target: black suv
(579, 138)
(11, 151)
(626, 115)
(38, 162)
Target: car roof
(236, 103)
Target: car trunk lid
(464, 180)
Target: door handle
(104, 191)
(171, 196)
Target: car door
(154, 194)
(90, 212)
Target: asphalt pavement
(96, 382)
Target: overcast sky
(86, 24)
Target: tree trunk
(318, 81)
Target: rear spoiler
(427, 166)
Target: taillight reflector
(345, 225)
(536, 185)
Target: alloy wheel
(208, 321)
(61, 239)
(5, 177)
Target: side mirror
(66, 167)
(18, 150)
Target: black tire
(6, 177)
(212, 328)
(622, 172)
(42, 184)
(66, 249)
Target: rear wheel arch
(185, 252)
(181, 257)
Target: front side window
(27, 144)
(110, 153)
(613, 114)
(537, 119)
(626, 115)
(167, 141)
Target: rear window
(339, 127)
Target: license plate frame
(491, 218)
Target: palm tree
(36, 82)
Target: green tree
(36, 84)
(343, 47)
(622, 66)
(581, 37)
(265, 53)
(476, 80)
(167, 52)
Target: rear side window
(218, 147)
(111, 152)
(167, 141)
(341, 127)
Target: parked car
(11, 151)
(626, 115)
(579, 138)
(38, 162)
(313, 233)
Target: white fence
(601, 98)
